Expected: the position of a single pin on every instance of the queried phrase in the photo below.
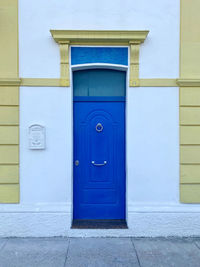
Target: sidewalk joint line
(4, 244)
(135, 251)
(196, 245)
(67, 253)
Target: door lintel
(65, 38)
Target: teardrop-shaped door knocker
(99, 127)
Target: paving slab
(34, 252)
(101, 252)
(167, 252)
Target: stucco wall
(152, 145)
(152, 113)
(39, 54)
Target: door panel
(99, 146)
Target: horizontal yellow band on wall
(188, 82)
(9, 135)
(9, 193)
(57, 82)
(10, 81)
(190, 135)
(9, 174)
(9, 115)
(40, 82)
(158, 83)
(190, 115)
(9, 154)
(190, 193)
(190, 174)
(190, 154)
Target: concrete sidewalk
(99, 252)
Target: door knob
(76, 162)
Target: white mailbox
(36, 137)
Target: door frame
(99, 66)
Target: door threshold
(99, 224)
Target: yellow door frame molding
(65, 38)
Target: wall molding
(160, 222)
(64, 64)
(41, 82)
(9, 103)
(57, 82)
(134, 63)
(66, 207)
(158, 83)
(10, 81)
(188, 82)
(76, 37)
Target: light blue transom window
(99, 82)
(111, 55)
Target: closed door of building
(99, 144)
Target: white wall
(39, 54)
(45, 175)
(153, 145)
(152, 120)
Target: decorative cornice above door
(77, 37)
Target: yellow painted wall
(9, 103)
(190, 103)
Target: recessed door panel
(99, 146)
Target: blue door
(99, 145)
